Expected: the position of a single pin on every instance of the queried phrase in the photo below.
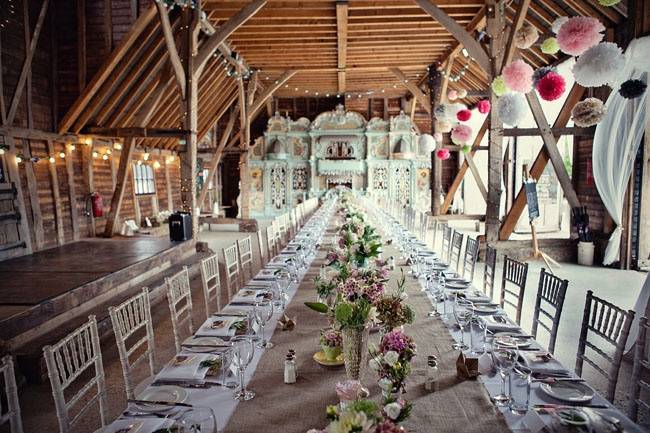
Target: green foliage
(318, 307)
(352, 315)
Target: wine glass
(263, 312)
(481, 325)
(243, 351)
(463, 312)
(197, 419)
(504, 357)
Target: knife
(158, 403)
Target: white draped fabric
(617, 140)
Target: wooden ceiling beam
(413, 88)
(268, 92)
(342, 41)
(172, 51)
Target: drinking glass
(463, 312)
(263, 312)
(480, 325)
(520, 381)
(504, 356)
(226, 367)
(243, 351)
(197, 420)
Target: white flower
(391, 357)
(350, 421)
(385, 384)
(374, 364)
(403, 296)
(393, 410)
(372, 314)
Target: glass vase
(355, 351)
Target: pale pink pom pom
(578, 34)
(452, 95)
(438, 137)
(461, 134)
(518, 76)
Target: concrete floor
(620, 287)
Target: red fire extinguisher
(96, 204)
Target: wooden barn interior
(118, 114)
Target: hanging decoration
(526, 36)
(541, 72)
(588, 112)
(483, 106)
(427, 143)
(438, 137)
(443, 126)
(609, 3)
(511, 108)
(461, 134)
(555, 27)
(443, 154)
(183, 4)
(452, 95)
(466, 149)
(599, 65)
(499, 86)
(462, 94)
(464, 115)
(578, 34)
(550, 46)
(632, 89)
(551, 86)
(518, 76)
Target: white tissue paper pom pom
(599, 65)
(555, 27)
(427, 143)
(511, 108)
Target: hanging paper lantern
(452, 95)
(588, 112)
(631, 89)
(464, 115)
(461, 134)
(555, 27)
(438, 137)
(551, 86)
(462, 93)
(427, 143)
(499, 86)
(550, 46)
(443, 154)
(511, 108)
(541, 73)
(525, 36)
(483, 106)
(609, 3)
(599, 65)
(518, 76)
(466, 148)
(443, 126)
(579, 34)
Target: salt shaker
(391, 263)
(289, 369)
(432, 376)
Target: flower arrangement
(392, 361)
(392, 311)
(331, 342)
(365, 416)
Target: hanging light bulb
(139, 162)
(61, 155)
(104, 157)
(117, 146)
(2, 151)
(145, 156)
(52, 160)
(19, 159)
(108, 151)
(72, 147)
(156, 165)
(95, 154)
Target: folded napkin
(185, 367)
(495, 326)
(139, 425)
(220, 326)
(251, 295)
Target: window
(144, 180)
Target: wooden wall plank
(32, 188)
(56, 196)
(14, 176)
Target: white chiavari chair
(67, 363)
(231, 262)
(133, 331)
(270, 241)
(12, 414)
(245, 247)
(279, 244)
(262, 249)
(211, 283)
(179, 296)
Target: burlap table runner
(457, 406)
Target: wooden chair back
(233, 277)
(446, 243)
(211, 282)
(640, 373)
(513, 285)
(454, 252)
(179, 296)
(245, 247)
(551, 292)
(611, 325)
(263, 250)
(270, 242)
(490, 268)
(133, 329)
(469, 260)
(69, 361)
(12, 412)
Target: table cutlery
(185, 383)
(562, 406)
(559, 379)
(229, 314)
(134, 414)
(158, 403)
(243, 303)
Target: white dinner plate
(516, 337)
(167, 393)
(573, 392)
(457, 285)
(485, 309)
(208, 342)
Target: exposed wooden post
(268, 92)
(342, 41)
(32, 187)
(81, 44)
(435, 89)
(495, 14)
(175, 60)
(56, 195)
(89, 182)
(3, 108)
(118, 195)
(28, 98)
(72, 191)
(14, 176)
(27, 64)
(413, 88)
(168, 187)
(445, 80)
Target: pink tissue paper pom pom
(551, 86)
(483, 106)
(461, 134)
(464, 115)
(438, 137)
(578, 34)
(452, 95)
(442, 154)
(518, 76)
